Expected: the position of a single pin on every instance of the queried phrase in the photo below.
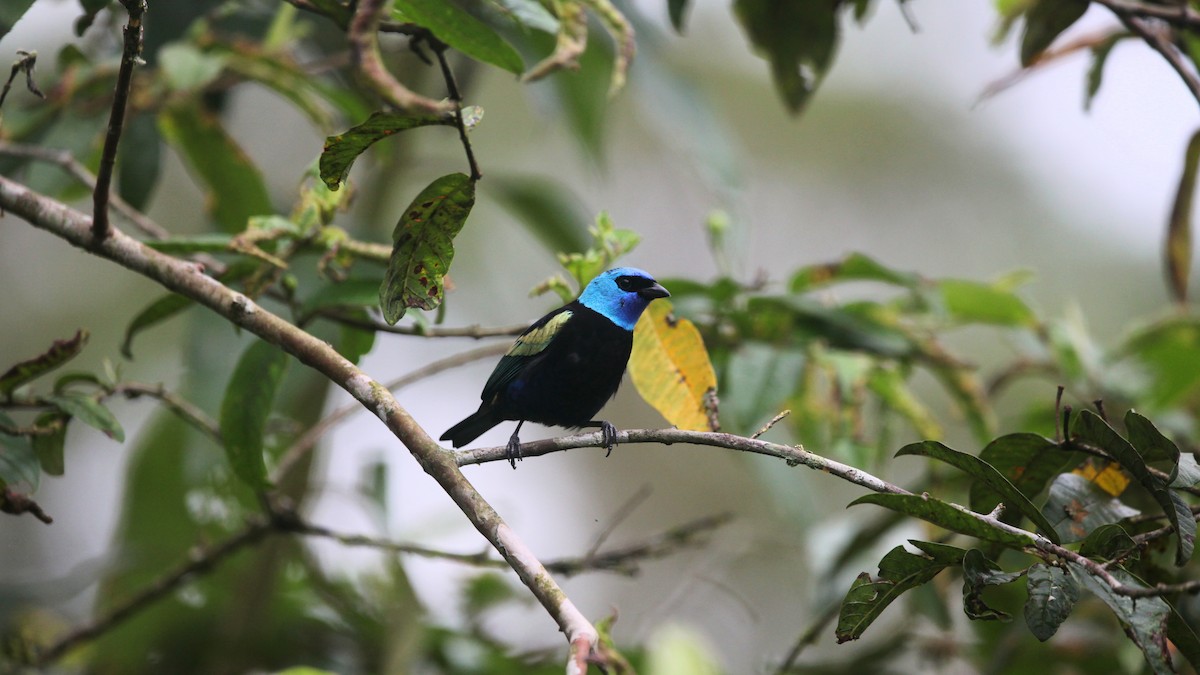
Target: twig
(184, 278)
(1179, 14)
(422, 330)
(1159, 41)
(305, 443)
(185, 409)
(364, 54)
(16, 503)
(67, 162)
(24, 64)
(774, 420)
(199, 560)
(439, 50)
(130, 56)
(808, 637)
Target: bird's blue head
(621, 294)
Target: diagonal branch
(188, 280)
(1159, 39)
(130, 56)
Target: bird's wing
(528, 345)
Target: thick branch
(188, 280)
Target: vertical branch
(131, 54)
(439, 48)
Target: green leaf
(156, 312)
(529, 13)
(945, 515)
(355, 343)
(797, 38)
(86, 409)
(1044, 21)
(951, 556)
(248, 400)
(975, 302)
(899, 571)
(1052, 596)
(1100, 53)
(676, 9)
(11, 12)
(756, 382)
(28, 370)
(1109, 542)
(185, 68)
(983, 472)
(1180, 632)
(1178, 245)
(1144, 619)
(1167, 349)
(18, 460)
(1077, 506)
(341, 150)
(461, 31)
(49, 447)
(139, 160)
(978, 573)
(547, 209)
(423, 246)
(854, 267)
(1150, 443)
(1090, 428)
(235, 188)
(90, 9)
(349, 293)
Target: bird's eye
(625, 283)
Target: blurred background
(899, 155)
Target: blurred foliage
(848, 346)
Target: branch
(1159, 39)
(130, 56)
(474, 331)
(185, 409)
(24, 64)
(439, 49)
(16, 503)
(1180, 14)
(364, 53)
(188, 280)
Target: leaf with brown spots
(423, 246)
(341, 150)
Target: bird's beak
(655, 291)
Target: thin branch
(15, 503)
(808, 637)
(623, 512)
(24, 64)
(67, 162)
(422, 330)
(199, 560)
(439, 49)
(188, 280)
(1159, 39)
(1179, 14)
(364, 54)
(185, 409)
(131, 55)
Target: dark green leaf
(1108, 542)
(1167, 349)
(49, 447)
(1149, 441)
(1144, 619)
(139, 159)
(1095, 74)
(1077, 506)
(1091, 429)
(983, 472)
(1052, 596)
(349, 293)
(59, 353)
(341, 150)
(852, 329)
(461, 31)
(676, 10)
(978, 573)
(423, 246)
(942, 514)
(353, 342)
(950, 556)
(854, 267)
(975, 302)
(248, 400)
(1178, 246)
(798, 38)
(1181, 634)
(86, 409)
(234, 186)
(547, 208)
(483, 592)
(1028, 461)
(530, 13)
(18, 461)
(90, 9)
(899, 571)
(1044, 21)
(156, 312)
(11, 12)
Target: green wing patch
(537, 339)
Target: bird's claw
(513, 450)
(609, 433)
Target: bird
(567, 364)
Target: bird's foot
(513, 450)
(609, 433)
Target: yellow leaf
(1108, 477)
(670, 369)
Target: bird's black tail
(471, 428)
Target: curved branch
(364, 52)
(188, 280)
